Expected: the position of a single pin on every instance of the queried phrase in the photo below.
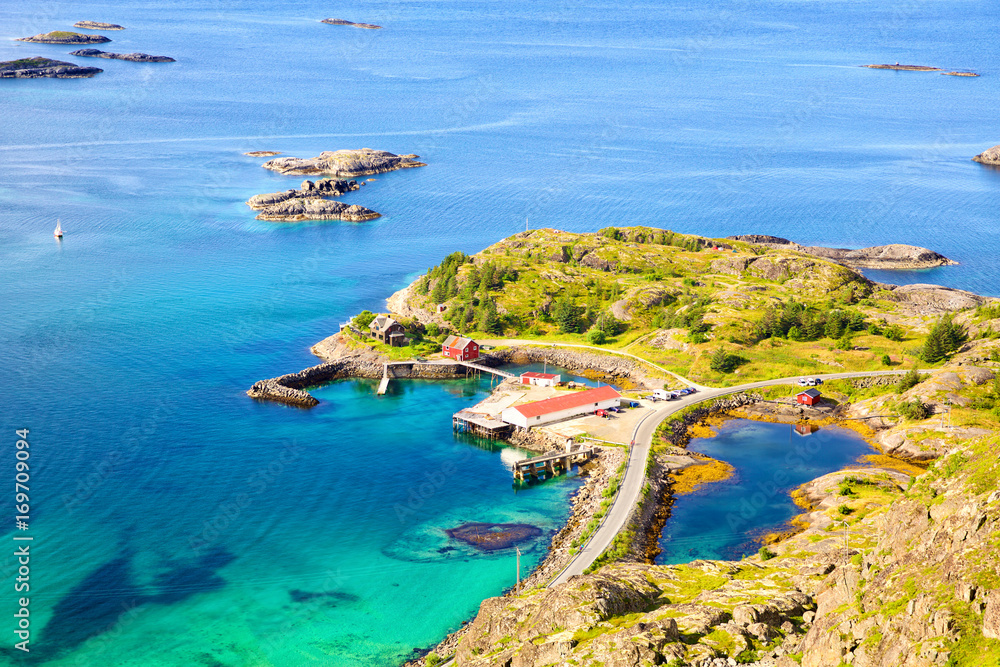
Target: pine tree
(567, 315)
(489, 320)
(440, 292)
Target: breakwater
(342, 363)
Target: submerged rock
(493, 536)
(132, 57)
(991, 156)
(65, 37)
(368, 26)
(344, 163)
(44, 68)
(97, 25)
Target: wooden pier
(471, 369)
(479, 424)
(553, 463)
(485, 369)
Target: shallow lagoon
(722, 520)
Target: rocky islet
(97, 25)
(886, 257)
(65, 37)
(367, 26)
(131, 57)
(309, 201)
(990, 156)
(45, 68)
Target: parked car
(633, 404)
(806, 382)
(600, 413)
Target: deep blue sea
(176, 522)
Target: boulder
(991, 617)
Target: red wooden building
(808, 397)
(460, 349)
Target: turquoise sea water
(126, 349)
(723, 520)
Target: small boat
(58, 233)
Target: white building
(541, 379)
(551, 410)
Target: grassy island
(720, 312)
(902, 555)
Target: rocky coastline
(895, 256)
(131, 57)
(344, 163)
(990, 156)
(97, 25)
(367, 26)
(64, 37)
(597, 478)
(45, 68)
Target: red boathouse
(460, 349)
(808, 397)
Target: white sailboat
(58, 233)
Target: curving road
(635, 471)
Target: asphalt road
(635, 472)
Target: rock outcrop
(97, 25)
(935, 299)
(368, 26)
(263, 153)
(906, 68)
(298, 209)
(131, 57)
(309, 189)
(45, 68)
(64, 37)
(990, 156)
(307, 203)
(892, 256)
(344, 163)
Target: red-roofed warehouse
(572, 404)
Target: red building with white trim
(571, 404)
(460, 349)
